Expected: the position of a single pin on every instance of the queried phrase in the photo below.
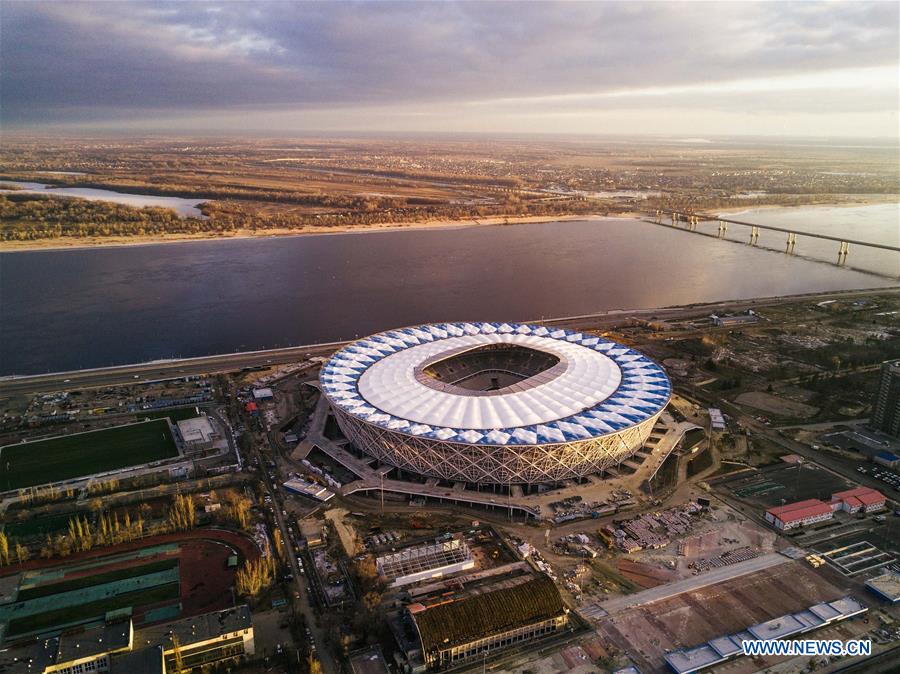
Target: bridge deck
(813, 235)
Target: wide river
(71, 309)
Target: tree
(255, 576)
(22, 553)
(182, 515)
(4, 548)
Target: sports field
(69, 456)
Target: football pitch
(69, 456)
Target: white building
(197, 433)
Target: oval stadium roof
(599, 387)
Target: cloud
(94, 62)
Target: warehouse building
(477, 626)
(424, 562)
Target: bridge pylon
(791, 243)
(754, 235)
(843, 252)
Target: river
(184, 207)
(876, 223)
(71, 309)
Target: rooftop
(199, 628)
(147, 660)
(860, 496)
(369, 661)
(887, 585)
(461, 621)
(597, 387)
(94, 641)
(800, 510)
(198, 429)
(688, 660)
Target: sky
(823, 69)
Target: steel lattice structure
(592, 410)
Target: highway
(229, 362)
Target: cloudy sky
(694, 68)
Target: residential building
(802, 513)
(886, 408)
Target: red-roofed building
(794, 515)
(863, 499)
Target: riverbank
(76, 243)
(847, 201)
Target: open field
(255, 187)
(646, 632)
(67, 457)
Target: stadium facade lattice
(495, 403)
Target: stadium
(494, 403)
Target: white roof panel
(596, 383)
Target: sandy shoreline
(863, 200)
(76, 243)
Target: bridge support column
(723, 228)
(674, 218)
(843, 251)
(754, 235)
(658, 216)
(791, 242)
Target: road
(304, 601)
(130, 374)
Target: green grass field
(176, 414)
(69, 456)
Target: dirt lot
(775, 405)
(647, 632)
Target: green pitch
(69, 456)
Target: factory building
(886, 409)
(477, 626)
